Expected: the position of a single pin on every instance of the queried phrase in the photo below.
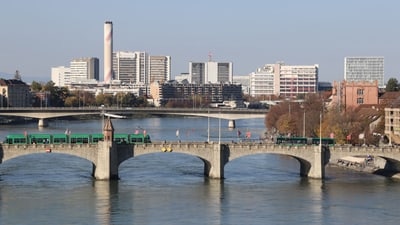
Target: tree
(36, 86)
(392, 85)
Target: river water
(169, 188)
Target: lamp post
(208, 127)
(304, 123)
(219, 128)
(320, 130)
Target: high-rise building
(160, 68)
(132, 67)
(142, 67)
(197, 72)
(108, 50)
(124, 65)
(284, 80)
(84, 69)
(210, 72)
(60, 75)
(364, 69)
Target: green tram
(15, 139)
(284, 140)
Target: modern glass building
(364, 69)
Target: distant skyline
(38, 35)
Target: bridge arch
(304, 163)
(54, 165)
(305, 155)
(85, 151)
(132, 151)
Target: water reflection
(103, 191)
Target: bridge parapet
(86, 151)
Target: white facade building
(262, 82)
(294, 80)
(364, 69)
(284, 80)
(83, 69)
(60, 75)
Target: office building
(60, 75)
(160, 68)
(124, 66)
(364, 69)
(210, 72)
(139, 68)
(84, 69)
(284, 80)
(163, 92)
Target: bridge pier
(43, 123)
(106, 167)
(214, 168)
(317, 169)
(231, 124)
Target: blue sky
(37, 35)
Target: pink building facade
(352, 94)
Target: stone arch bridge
(107, 156)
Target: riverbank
(366, 164)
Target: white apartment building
(84, 69)
(262, 82)
(210, 72)
(364, 69)
(284, 80)
(60, 75)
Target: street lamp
(219, 128)
(320, 130)
(208, 127)
(304, 123)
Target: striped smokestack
(108, 49)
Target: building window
(360, 91)
(360, 100)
